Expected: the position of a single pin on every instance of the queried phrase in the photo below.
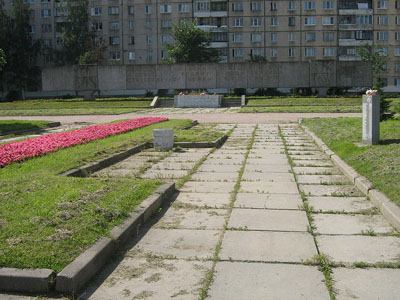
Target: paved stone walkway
(258, 220)
(266, 216)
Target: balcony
(354, 42)
(355, 12)
(212, 28)
(356, 26)
(205, 14)
(218, 44)
(349, 57)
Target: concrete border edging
(79, 272)
(388, 209)
(26, 280)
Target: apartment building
(136, 31)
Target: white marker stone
(371, 116)
(163, 139)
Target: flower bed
(18, 151)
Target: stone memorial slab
(163, 139)
(170, 75)
(263, 75)
(140, 77)
(323, 73)
(204, 101)
(252, 281)
(112, 77)
(201, 76)
(232, 75)
(286, 71)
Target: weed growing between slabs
(47, 220)
(379, 163)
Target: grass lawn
(199, 133)
(379, 163)
(47, 220)
(7, 126)
(304, 101)
(301, 109)
(67, 111)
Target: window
(310, 36)
(97, 26)
(95, 11)
(59, 11)
(132, 55)
(274, 6)
(328, 4)
(30, 1)
(149, 56)
(292, 21)
(397, 20)
(114, 40)
(113, 10)
(31, 29)
(255, 22)
(237, 22)
(292, 5)
(255, 52)
(292, 52)
(363, 35)
(147, 9)
(396, 51)
(131, 25)
(45, 13)
(397, 35)
(383, 20)
(164, 54)
(351, 51)
(274, 21)
(328, 20)
(274, 37)
(131, 40)
(202, 6)
(166, 23)
(255, 6)
(237, 53)
(47, 42)
(237, 6)
(328, 36)
(292, 36)
(148, 25)
(45, 1)
(237, 38)
(46, 28)
(274, 52)
(131, 10)
(310, 21)
(397, 81)
(364, 20)
(149, 39)
(255, 37)
(183, 8)
(382, 4)
(309, 5)
(114, 55)
(165, 8)
(309, 52)
(329, 51)
(166, 38)
(397, 4)
(113, 25)
(382, 51)
(382, 35)
(219, 37)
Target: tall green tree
(78, 39)
(191, 45)
(2, 59)
(21, 50)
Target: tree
(21, 51)
(191, 45)
(79, 42)
(257, 58)
(2, 59)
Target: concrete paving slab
(312, 163)
(267, 246)
(161, 174)
(268, 201)
(272, 220)
(207, 187)
(212, 176)
(226, 156)
(330, 190)
(217, 200)
(351, 224)
(172, 166)
(179, 243)
(220, 168)
(229, 152)
(317, 170)
(223, 162)
(366, 284)
(189, 218)
(268, 168)
(309, 157)
(318, 179)
(345, 204)
(310, 152)
(357, 248)
(117, 172)
(151, 278)
(269, 187)
(251, 281)
(268, 177)
(281, 160)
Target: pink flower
(181, 93)
(18, 151)
(371, 92)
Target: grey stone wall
(318, 74)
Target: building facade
(136, 31)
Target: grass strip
(304, 101)
(380, 164)
(302, 109)
(7, 126)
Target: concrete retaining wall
(318, 74)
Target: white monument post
(163, 139)
(371, 118)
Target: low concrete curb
(390, 210)
(26, 280)
(79, 272)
